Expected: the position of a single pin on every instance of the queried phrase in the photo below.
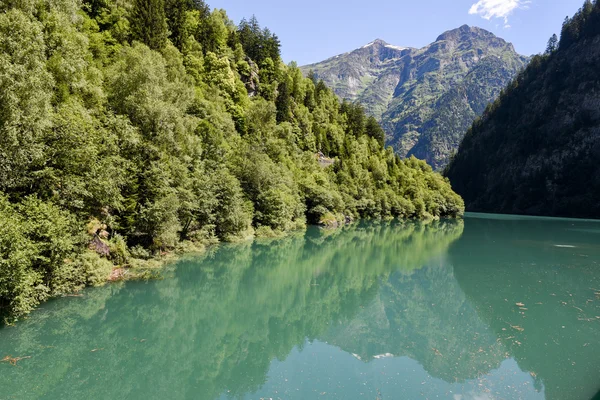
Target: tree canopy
(132, 128)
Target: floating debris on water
(13, 360)
(437, 352)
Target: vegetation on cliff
(536, 148)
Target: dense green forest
(536, 148)
(132, 128)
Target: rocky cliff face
(536, 149)
(425, 98)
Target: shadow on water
(552, 269)
(215, 323)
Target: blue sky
(313, 30)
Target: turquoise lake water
(492, 307)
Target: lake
(490, 307)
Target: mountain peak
(394, 83)
(382, 43)
(465, 32)
(376, 42)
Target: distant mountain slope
(425, 98)
(537, 148)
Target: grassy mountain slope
(425, 98)
(536, 149)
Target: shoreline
(140, 269)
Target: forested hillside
(132, 128)
(536, 150)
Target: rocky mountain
(425, 98)
(536, 149)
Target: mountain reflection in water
(370, 311)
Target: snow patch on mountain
(391, 46)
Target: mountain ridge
(425, 98)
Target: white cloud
(489, 9)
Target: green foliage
(584, 24)
(374, 130)
(149, 23)
(259, 44)
(176, 15)
(37, 241)
(535, 149)
(169, 127)
(19, 284)
(552, 44)
(118, 249)
(25, 94)
(94, 267)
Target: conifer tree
(283, 102)
(149, 23)
(259, 44)
(175, 11)
(94, 7)
(552, 44)
(374, 130)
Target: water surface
(486, 308)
